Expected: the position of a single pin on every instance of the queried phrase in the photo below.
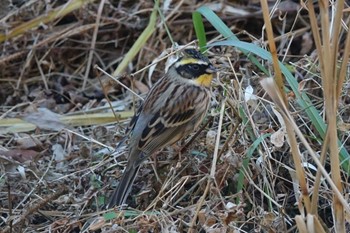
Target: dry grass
(58, 132)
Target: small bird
(174, 107)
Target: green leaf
(199, 29)
(250, 152)
(221, 27)
(127, 214)
(302, 98)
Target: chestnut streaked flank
(173, 108)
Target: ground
(60, 150)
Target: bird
(174, 107)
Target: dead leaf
(20, 155)
(141, 86)
(211, 139)
(97, 224)
(201, 217)
(278, 137)
(307, 43)
(59, 155)
(25, 141)
(43, 118)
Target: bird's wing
(166, 119)
(133, 121)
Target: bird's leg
(154, 165)
(177, 158)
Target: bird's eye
(194, 67)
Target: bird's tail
(121, 193)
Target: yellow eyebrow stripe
(186, 61)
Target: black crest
(196, 54)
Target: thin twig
(93, 43)
(211, 177)
(120, 83)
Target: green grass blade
(249, 154)
(217, 23)
(199, 29)
(302, 98)
(221, 27)
(140, 42)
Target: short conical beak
(211, 69)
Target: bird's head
(196, 67)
